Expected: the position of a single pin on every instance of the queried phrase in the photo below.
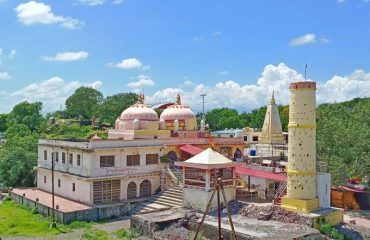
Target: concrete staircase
(171, 198)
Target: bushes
(327, 229)
(128, 233)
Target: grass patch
(95, 234)
(328, 230)
(127, 233)
(17, 220)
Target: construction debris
(274, 213)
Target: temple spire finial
(272, 98)
(140, 98)
(178, 99)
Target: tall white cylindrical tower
(301, 192)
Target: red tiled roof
(260, 174)
(65, 205)
(193, 150)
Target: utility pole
(52, 224)
(305, 71)
(204, 116)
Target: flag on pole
(211, 143)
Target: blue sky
(236, 51)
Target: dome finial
(140, 98)
(178, 99)
(272, 98)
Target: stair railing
(281, 189)
(175, 171)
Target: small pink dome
(177, 111)
(139, 111)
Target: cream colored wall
(121, 167)
(301, 144)
(82, 170)
(82, 191)
(198, 199)
(154, 180)
(190, 124)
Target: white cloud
(305, 39)
(188, 83)
(92, 2)
(98, 2)
(325, 40)
(273, 78)
(142, 81)
(218, 33)
(67, 56)
(224, 72)
(116, 2)
(40, 13)
(130, 63)
(52, 92)
(198, 39)
(5, 76)
(340, 1)
(343, 88)
(12, 54)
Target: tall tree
(3, 118)
(84, 102)
(26, 113)
(113, 106)
(18, 156)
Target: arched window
(131, 190)
(145, 189)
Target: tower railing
(321, 166)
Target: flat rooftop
(45, 198)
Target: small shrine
(200, 175)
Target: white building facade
(92, 173)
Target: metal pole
(219, 212)
(53, 224)
(203, 95)
(219, 181)
(204, 215)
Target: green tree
(343, 133)
(84, 102)
(18, 156)
(26, 113)
(221, 118)
(113, 106)
(3, 118)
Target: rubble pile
(173, 232)
(178, 231)
(235, 206)
(353, 231)
(274, 213)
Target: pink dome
(139, 111)
(177, 111)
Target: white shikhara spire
(272, 132)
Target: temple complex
(127, 166)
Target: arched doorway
(172, 157)
(145, 188)
(131, 190)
